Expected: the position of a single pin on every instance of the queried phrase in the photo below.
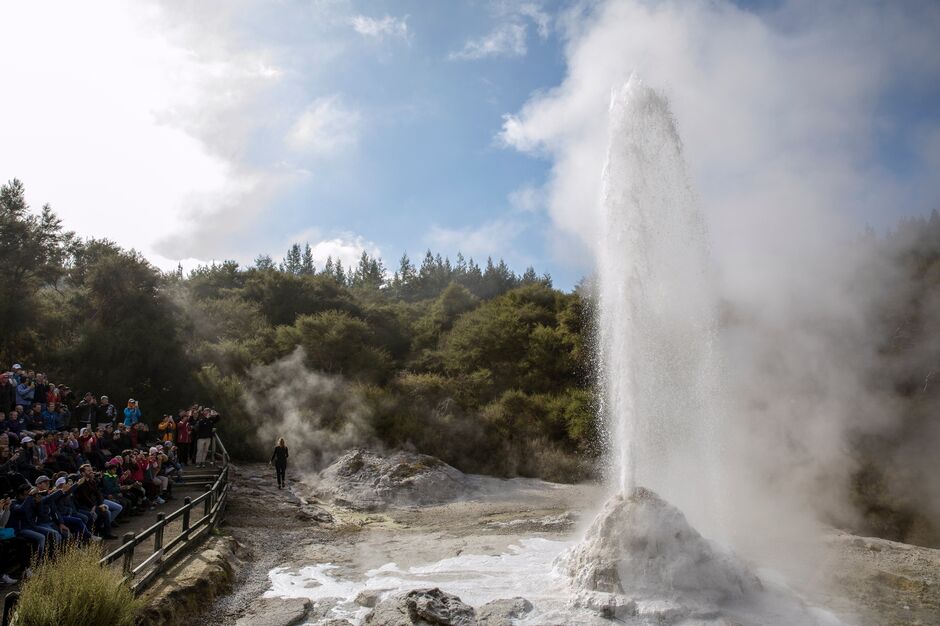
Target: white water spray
(656, 307)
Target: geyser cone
(643, 547)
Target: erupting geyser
(640, 558)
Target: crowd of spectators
(74, 469)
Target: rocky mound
(366, 480)
(641, 555)
(422, 607)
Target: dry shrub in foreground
(72, 589)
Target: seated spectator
(15, 425)
(35, 420)
(27, 463)
(23, 518)
(52, 417)
(89, 500)
(69, 515)
(14, 551)
(45, 517)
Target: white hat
(26, 439)
(61, 480)
(17, 366)
(154, 450)
(41, 479)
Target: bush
(73, 589)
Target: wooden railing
(210, 509)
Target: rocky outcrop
(422, 607)
(502, 612)
(366, 480)
(185, 589)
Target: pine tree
(306, 265)
(264, 262)
(340, 274)
(292, 262)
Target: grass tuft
(72, 589)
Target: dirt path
(271, 524)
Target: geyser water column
(656, 321)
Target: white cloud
(346, 248)
(82, 131)
(380, 28)
(527, 198)
(508, 39)
(492, 239)
(325, 127)
(142, 123)
(541, 19)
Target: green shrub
(72, 589)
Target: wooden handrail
(212, 499)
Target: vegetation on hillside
(484, 368)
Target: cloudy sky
(213, 130)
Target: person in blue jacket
(18, 520)
(25, 392)
(131, 413)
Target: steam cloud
(778, 113)
(320, 416)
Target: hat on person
(26, 439)
(61, 481)
(131, 401)
(167, 444)
(17, 366)
(154, 450)
(41, 479)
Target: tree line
(486, 368)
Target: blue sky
(198, 132)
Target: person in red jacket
(184, 438)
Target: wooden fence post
(208, 500)
(158, 536)
(129, 553)
(186, 507)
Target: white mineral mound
(641, 560)
(367, 480)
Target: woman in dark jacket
(279, 460)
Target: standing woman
(279, 459)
